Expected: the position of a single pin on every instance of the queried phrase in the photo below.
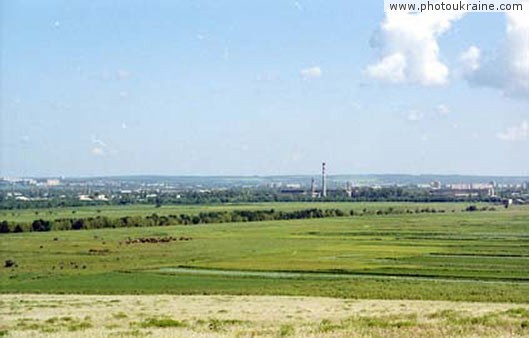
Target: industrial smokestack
(323, 181)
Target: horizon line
(249, 176)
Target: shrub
(41, 225)
(327, 326)
(162, 323)
(78, 224)
(4, 227)
(286, 330)
(471, 208)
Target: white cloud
(414, 115)
(98, 147)
(509, 69)
(517, 52)
(311, 73)
(471, 59)
(98, 151)
(409, 48)
(390, 69)
(442, 110)
(515, 133)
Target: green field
(477, 256)
(29, 215)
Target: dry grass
(249, 316)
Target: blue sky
(259, 88)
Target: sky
(263, 87)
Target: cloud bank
(409, 51)
(410, 54)
(470, 59)
(508, 70)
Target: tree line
(235, 195)
(232, 216)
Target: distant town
(27, 192)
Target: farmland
(385, 269)
(463, 256)
(113, 211)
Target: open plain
(398, 273)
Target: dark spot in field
(55, 238)
(42, 246)
(9, 263)
(154, 240)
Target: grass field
(28, 215)
(251, 316)
(478, 256)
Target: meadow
(254, 316)
(455, 255)
(115, 211)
